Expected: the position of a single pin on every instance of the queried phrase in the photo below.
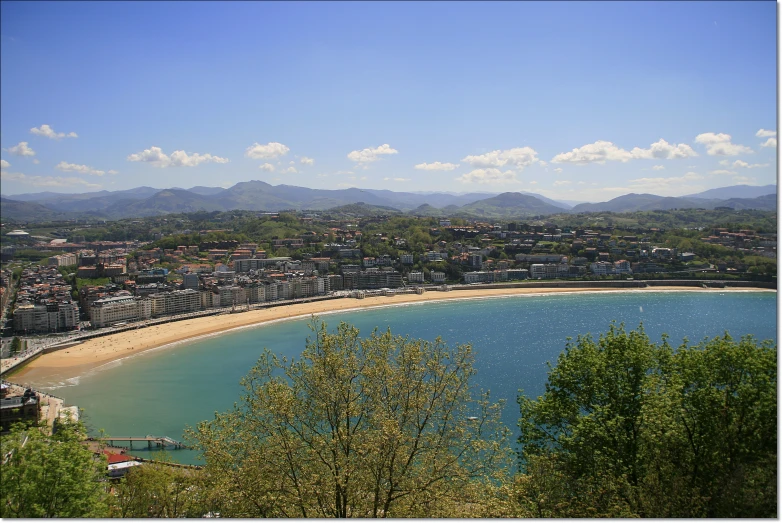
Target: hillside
(510, 205)
(735, 191)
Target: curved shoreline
(91, 354)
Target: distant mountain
(170, 201)
(27, 211)
(641, 202)
(428, 210)
(651, 202)
(555, 203)
(206, 191)
(408, 201)
(363, 209)
(736, 191)
(260, 196)
(766, 202)
(510, 205)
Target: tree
(377, 427)
(637, 428)
(159, 490)
(50, 476)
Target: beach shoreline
(91, 354)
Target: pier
(160, 441)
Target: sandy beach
(77, 359)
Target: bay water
(161, 391)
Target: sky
(579, 101)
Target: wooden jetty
(160, 441)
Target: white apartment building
(108, 311)
(46, 318)
(406, 259)
(602, 268)
(437, 277)
(415, 277)
(64, 260)
(175, 302)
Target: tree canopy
(383, 426)
(627, 427)
(44, 476)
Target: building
(175, 302)
(372, 279)
(64, 260)
(26, 407)
(190, 281)
(415, 277)
(108, 311)
(406, 259)
(46, 317)
(437, 277)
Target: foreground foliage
(381, 426)
(50, 476)
(156, 490)
(631, 428)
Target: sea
(162, 391)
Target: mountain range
(261, 196)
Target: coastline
(91, 354)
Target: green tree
(640, 428)
(378, 427)
(163, 491)
(50, 476)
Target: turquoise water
(161, 391)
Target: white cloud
(598, 152)
(396, 179)
(4, 164)
(344, 172)
(764, 133)
(558, 169)
(519, 157)
(182, 159)
(47, 181)
(720, 145)
(47, 132)
(558, 183)
(371, 154)
(21, 149)
(722, 171)
(488, 176)
(269, 168)
(771, 142)
(436, 166)
(36, 161)
(158, 158)
(744, 179)
(307, 161)
(658, 167)
(112, 171)
(81, 169)
(265, 152)
(322, 175)
(740, 163)
(291, 170)
(603, 151)
(662, 150)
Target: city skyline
(574, 101)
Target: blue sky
(573, 100)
